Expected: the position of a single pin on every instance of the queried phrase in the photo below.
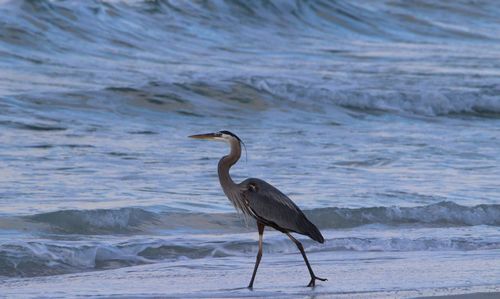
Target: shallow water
(381, 119)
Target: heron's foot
(312, 283)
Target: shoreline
(350, 275)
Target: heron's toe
(312, 283)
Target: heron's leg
(260, 227)
(312, 283)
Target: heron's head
(218, 136)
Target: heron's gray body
(273, 208)
(262, 201)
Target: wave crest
(483, 101)
(440, 214)
(42, 258)
(135, 220)
(95, 221)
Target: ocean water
(380, 119)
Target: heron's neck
(225, 164)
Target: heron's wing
(275, 209)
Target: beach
(354, 275)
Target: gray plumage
(275, 209)
(262, 201)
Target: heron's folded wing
(272, 205)
(275, 208)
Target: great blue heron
(260, 200)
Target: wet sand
(350, 275)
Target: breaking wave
(444, 213)
(87, 240)
(483, 101)
(383, 20)
(122, 220)
(135, 220)
(41, 258)
(218, 42)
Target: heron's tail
(312, 231)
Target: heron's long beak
(209, 136)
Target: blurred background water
(381, 119)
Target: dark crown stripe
(232, 134)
